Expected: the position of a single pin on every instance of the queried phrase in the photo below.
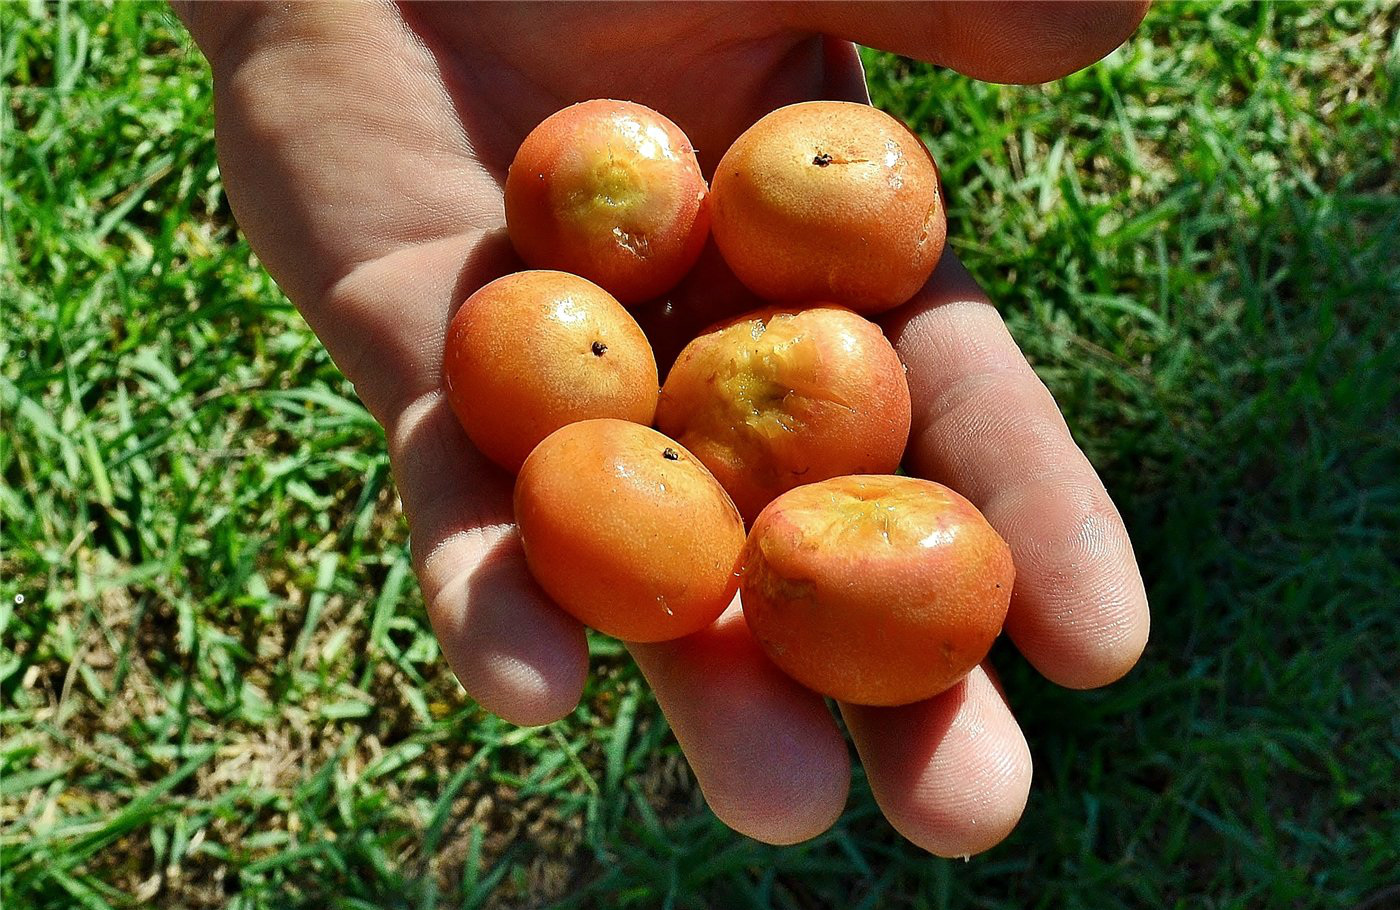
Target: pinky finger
(766, 752)
(951, 773)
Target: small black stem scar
(670, 454)
(822, 160)
(599, 349)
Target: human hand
(363, 150)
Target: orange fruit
(875, 590)
(534, 351)
(780, 397)
(611, 191)
(829, 201)
(627, 531)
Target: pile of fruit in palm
(633, 501)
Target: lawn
(217, 683)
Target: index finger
(985, 424)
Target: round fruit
(829, 200)
(533, 351)
(612, 191)
(776, 398)
(875, 590)
(627, 531)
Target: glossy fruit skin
(627, 531)
(833, 201)
(779, 397)
(875, 590)
(611, 191)
(534, 351)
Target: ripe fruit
(779, 397)
(627, 531)
(533, 351)
(829, 200)
(875, 590)
(611, 191)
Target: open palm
(364, 150)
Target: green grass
(220, 688)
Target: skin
(612, 191)
(875, 590)
(830, 200)
(536, 350)
(627, 531)
(779, 397)
(432, 102)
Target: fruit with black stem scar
(780, 397)
(830, 201)
(627, 531)
(533, 351)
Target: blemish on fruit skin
(598, 349)
(634, 242)
(778, 588)
(670, 454)
(928, 220)
(822, 159)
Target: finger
(766, 752)
(986, 425)
(513, 650)
(377, 223)
(951, 773)
(346, 165)
(1016, 41)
